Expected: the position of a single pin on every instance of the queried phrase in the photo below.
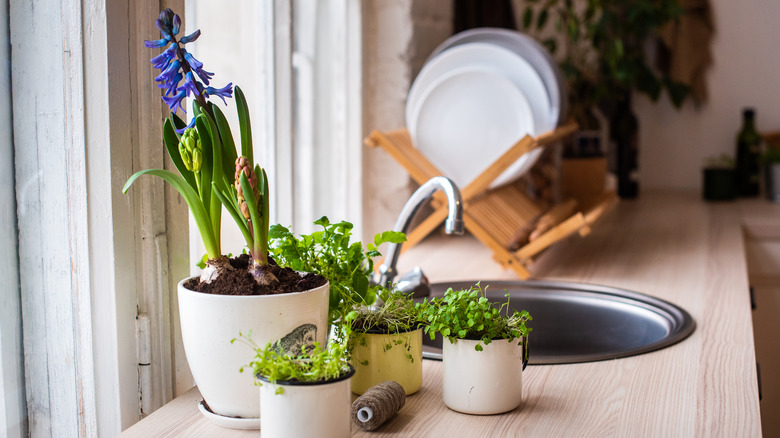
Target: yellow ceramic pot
(375, 363)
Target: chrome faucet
(453, 224)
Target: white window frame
(13, 403)
(81, 127)
(97, 288)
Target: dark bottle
(624, 133)
(748, 151)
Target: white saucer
(229, 422)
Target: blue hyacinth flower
(177, 65)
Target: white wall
(398, 35)
(746, 72)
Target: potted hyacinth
(485, 341)
(249, 293)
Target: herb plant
(329, 253)
(397, 314)
(318, 365)
(468, 314)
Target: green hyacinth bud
(186, 157)
(190, 150)
(197, 159)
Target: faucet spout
(453, 224)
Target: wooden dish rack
(502, 218)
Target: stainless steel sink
(575, 322)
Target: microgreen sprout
(397, 314)
(468, 314)
(312, 365)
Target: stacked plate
(480, 92)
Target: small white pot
(483, 382)
(306, 410)
(209, 322)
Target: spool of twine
(378, 404)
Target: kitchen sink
(575, 322)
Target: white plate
(413, 113)
(527, 48)
(498, 60)
(467, 120)
(229, 422)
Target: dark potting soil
(239, 281)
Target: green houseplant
(271, 302)
(304, 395)
(604, 60)
(347, 265)
(380, 328)
(484, 341)
(386, 342)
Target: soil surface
(239, 281)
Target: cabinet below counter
(665, 244)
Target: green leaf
(244, 124)
(528, 17)
(257, 219)
(323, 222)
(278, 232)
(202, 265)
(677, 92)
(235, 213)
(262, 179)
(228, 144)
(195, 204)
(207, 169)
(389, 236)
(360, 284)
(541, 20)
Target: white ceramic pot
(306, 410)
(393, 364)
(209, 322)
(482, 382)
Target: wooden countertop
(669, 245)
